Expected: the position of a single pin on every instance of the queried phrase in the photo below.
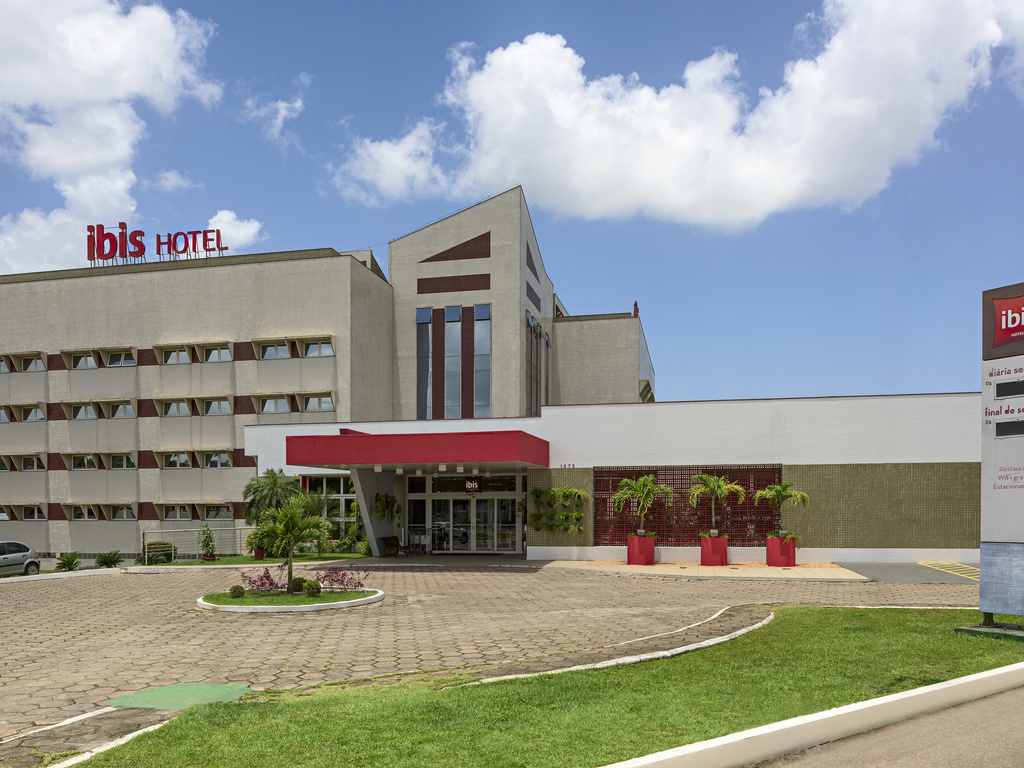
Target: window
(3, 366)
(83, 362)
(122, 461)
(122, 411)
(4, 418)
(176, 512)
(274, 405)
(176, 408)
(32, 513)
(32, 364)
(123, 512)
(424, 365)
(452, 362)
(217, 355)
(83, 513)
(217, 461)
(32, 464)
(221, 512)
(83, 412)
(120, 359)
(322, 403)
(176, 461)
(3, 465)
(83, 462)
(176, 356)
(317, 349)
(32, 414)
(275, 351)
(217, 407)
(482, 361)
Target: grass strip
(807, 660)
(282, 598)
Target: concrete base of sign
(1003, 631)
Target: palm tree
(281, 530)
(643, 490)
(323, 506)
(715, 488)
(775, 495)
(268, 491)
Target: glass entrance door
(471, 524)
(484, 530)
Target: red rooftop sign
(108, 245)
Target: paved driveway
(71, 645)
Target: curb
(375, 598)
(64, 575)
(768, 741)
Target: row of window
(84, 512)
(320, 403)
(443, 336)
(277, 349)
(86, 461)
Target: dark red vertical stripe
(437, 361)
(55, 512)
(467, 362)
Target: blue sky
(804, 199)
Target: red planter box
(640, 550)
(714, 551)
(781, 552)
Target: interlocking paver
(73, 644)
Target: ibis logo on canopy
(107, 245)
(1009, 320)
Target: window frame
(88, 360)
(36, 514)
(165, 464)
(221, 350)
(178, 508)
(276, 346)
(112, 409)
(275, 399)
(121, 353)
(84, 510)
(224, 507)
(84, 459)
(38, 465)
(223, 460)
(115, 508)
(306, 346)
(124, 456)
(29, 413)
(31, 364)
(171, 355)
(319, 398)
(165, 407)
(89, 408)
(226, 401)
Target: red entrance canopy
(354, 450)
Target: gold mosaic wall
(887, 505)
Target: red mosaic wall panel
(677, 524)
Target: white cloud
(870, 99)
(171, 181)
(237, 234)
(273, 114)
(70, 72)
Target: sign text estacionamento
(106, 246)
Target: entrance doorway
(475, 524)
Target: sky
(804, 198)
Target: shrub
(298, 584)
(342, 580)
(237, 591)
(159, 552)
(311, 587)
(69, 561)
(207, 544)
(265, 582)
(364, 547)
(109, 559)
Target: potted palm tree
(780, 550)
(640, 548)
(714, 550)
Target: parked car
(17, 557)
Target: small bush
(159, 552)
(237, 591)
(364, 547)
(69, 561)
(109, 559)
(298, 584)
(265, 582)
(312, 588)
(342, 580)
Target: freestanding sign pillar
(1002, 453)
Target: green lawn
(806, 660)
(282, 598)
(304, 557)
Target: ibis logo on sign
(472, 485)
(108, 245)
(1009, 315)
